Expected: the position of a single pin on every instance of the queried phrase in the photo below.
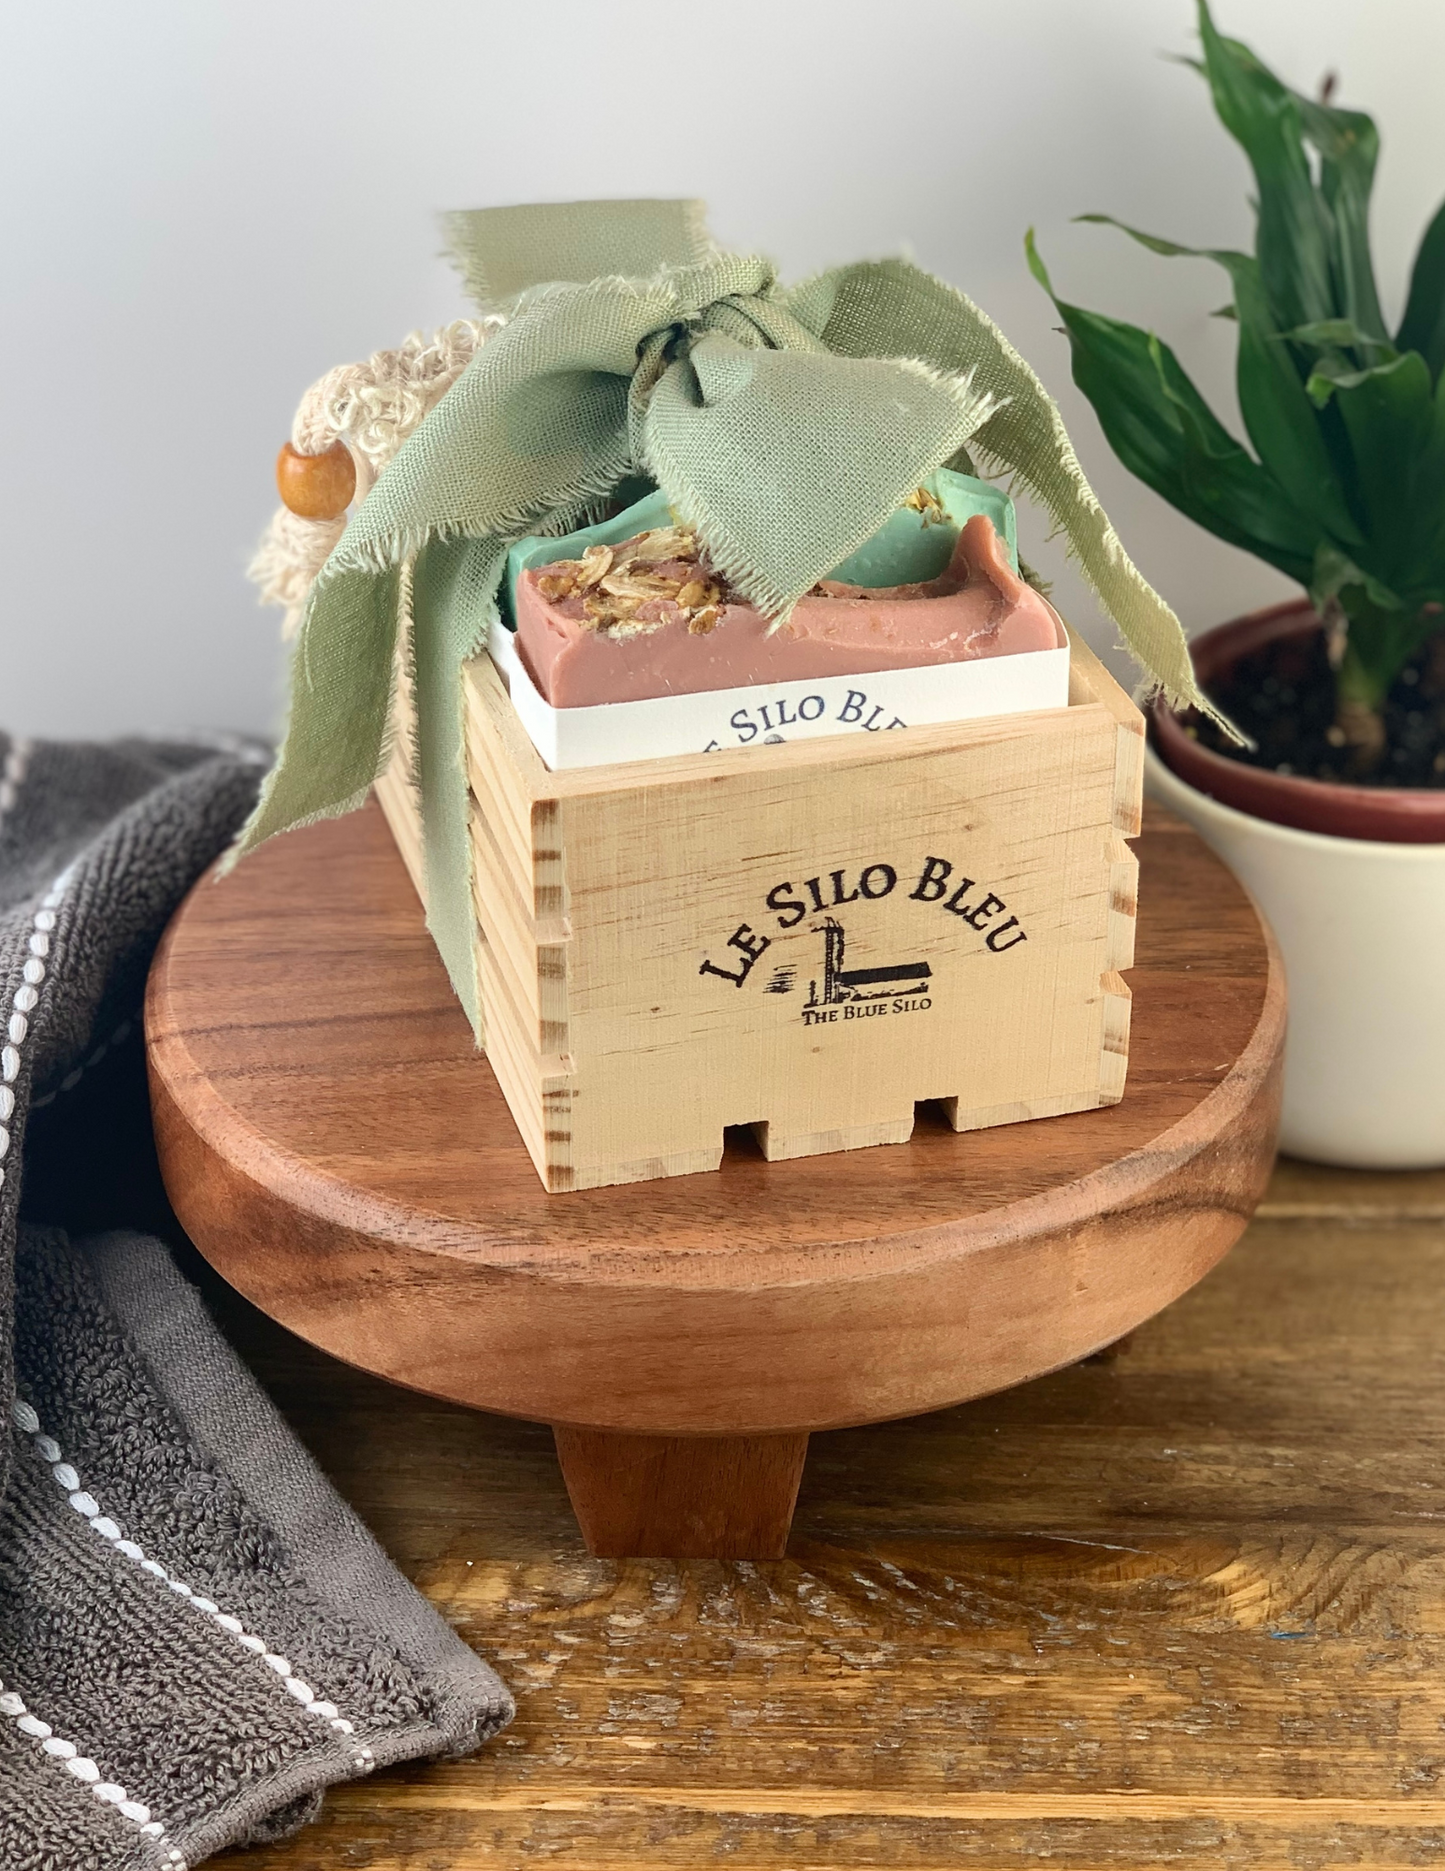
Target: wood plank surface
(1181, 1606)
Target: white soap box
(762, 715)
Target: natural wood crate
(806, 938)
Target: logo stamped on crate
(861, 993)
(836, 990)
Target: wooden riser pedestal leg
(682, 1497)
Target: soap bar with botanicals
(646, 615)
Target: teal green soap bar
(906, 552)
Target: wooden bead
(316, 487)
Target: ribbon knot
(784, 425)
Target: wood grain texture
(340, 1152)
(1309, 1191)
(1185, 1607)
(682, 1497)
(806, 938)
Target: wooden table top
(1184, 1604)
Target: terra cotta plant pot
(1352, 879)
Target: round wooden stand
(339, 1151)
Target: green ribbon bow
(784, 423)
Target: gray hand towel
(197, 1636)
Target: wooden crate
(805, 938)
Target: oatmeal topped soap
(650, 616)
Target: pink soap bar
(978, 606)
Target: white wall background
(206, 203)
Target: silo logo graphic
(840, 986)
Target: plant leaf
(1279, 417)
(1313, 243)
(1423, 327)
(1348, 145)
(1263, 117)
(1156, 243)
(1393, 419)
(1164, 432)
(1336, 334)
(1338, 373)
(1282, 422)
(1334, 572)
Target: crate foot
(777, 1146)
(681, 1497)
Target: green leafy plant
(1345, 487)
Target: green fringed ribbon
(784, 423)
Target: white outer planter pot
(1361, 926)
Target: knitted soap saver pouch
(370, 409)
